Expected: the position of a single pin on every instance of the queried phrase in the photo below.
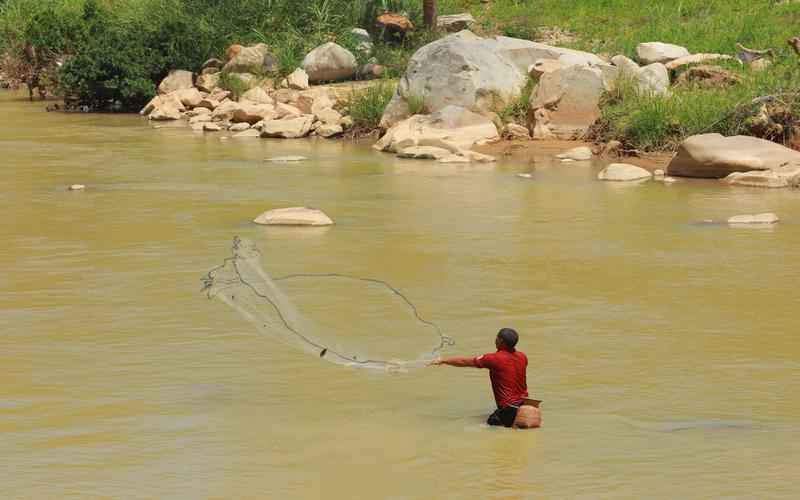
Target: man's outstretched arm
(460, 361)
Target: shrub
(232, 82)
(367, 106)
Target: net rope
(242, 283)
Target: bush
(367, 106)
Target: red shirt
(507, 371)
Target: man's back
(507, 372)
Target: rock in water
(423, 153)
(287, 159)
(658, 52)
(292, 128)
(581, 153)
(757, 219)
(330, 62)
(452, 126)
(622, 172)
(177, 79)
(715, 156)
(76, 187)
(294, 216)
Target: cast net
(349, 320)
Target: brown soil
(524, 150)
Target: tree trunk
(429, 13)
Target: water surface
(665, 351)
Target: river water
(665, 351)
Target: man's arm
(460, 361)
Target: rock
(330, 62)
(253, 113)
(200, 119)
(657, 52)
(238, 127)
(212, 63)
(211, 127)
(454, 125)
(659, 173)
(653, 79)
(177, 79)
(219, 94)
(361, 35)
(207, 83)
(467, 157)
(543, 66)
(756, 178)
(627, 67)
(329, 130)
(513, 132)
(286, 96)
(287, 110)
(197, 112)
(565, 103)
(765, 218)
(455, 22)
(760, 64)
(253, 59)
(291, 128)
(286, 159)
(423, 153)
(297, 79)
(394, 26)
(190, 98)
(748, 56)
(714, 156)
(226, 110)
(581, 153)
(294, 216)
(466, 70)
(697, 59)
(76, 187)
(622, 172)
(708, 77)
(251, 132)
(328, 116)
(208, 103)
(257, 95)
(370, 71)
(163, 107)
(346, 122)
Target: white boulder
(294, 216)
(566, 102)
(658, 52)
(291, 128)
(716, 156)
(297, 79)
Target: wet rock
(211, 127)
(781, 177)
(177, 79)
(582, 153)
(453, 124)
(513, 131)
(328, 130)
(329, 116)
(287, 159)
(76, 187)
(200, 118)
(455, 22)
(251, 132)
(297, 79)
(330, 62)
(622, 172)
(294, 216)
(423, 153)
(715, 156)
(757, 219)
(253, 59)
(658, 52)
(291, 128)
(566, 102)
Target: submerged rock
(715, 156)
(76, 187)
(622, 172)
(294, 216)
(286, 159)
(423, 153)
(757, 219)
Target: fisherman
(507, 372)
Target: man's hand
(436, 362)
(456, 361)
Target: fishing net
(349, 320)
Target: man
(507, 372)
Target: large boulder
(294, 216)
(454, 127)
(163, 108)
(207, 82)
(330, 62)
(715, 156)
(253, 59)
(658, 52)
(476, 73)
(292, 128)
(566, 102)
(190, 97)
(177, 79)
(253, 113)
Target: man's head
(506, 338)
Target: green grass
(366, 106)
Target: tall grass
(366, 106)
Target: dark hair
(509, 337)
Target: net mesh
(349, 320)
